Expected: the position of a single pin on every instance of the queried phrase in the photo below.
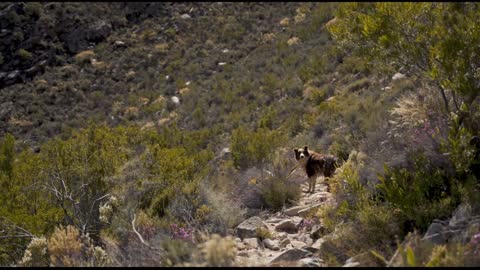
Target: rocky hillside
(162, 134)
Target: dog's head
(301, 153)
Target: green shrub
(177, 252)
(24, 54)
(422, 193)
(253, 148)
(33, 9)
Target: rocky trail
(295, 236)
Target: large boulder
(248, 228)
(461, 214)
(286, 226)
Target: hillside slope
(162, 134)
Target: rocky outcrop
(295, 240)
(248, 228)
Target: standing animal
(315, 165)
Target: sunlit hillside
(166, 134)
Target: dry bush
(36, 253)
(223, 212)
(218, 251)
(409, 112)
(68, 248)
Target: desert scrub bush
(84, 57)
(106, 209)
(36, 253)
(409, 112)
(372, 227)
(67, 247)
(346, 183)
(25, 55)
(177, 252)
(219, 213)
(357, 85)
(276, 188)
(219, 251)
(263, 233)
(368, 223)
(422, 192)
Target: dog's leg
(312, 180)
(314, 184)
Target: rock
(297, 220)
(286, 226)
(282, 235)
(275, 220)
(99, 31)
(434, 234)
(298, 244)
(241, 246)
(309, 209)
(306, 239)
(273, 245)
(462, 213)
(243, 253)
(311, 262)
(251, 242)
(291, 255)
(185, 16)
(293, 211)
(5, 109)
(285, 242)
(315, 246)
(248, 228)
(317, 232)
(351, 264)
(222, 63)
(175, 100)
(398, 76)
(225, 152)
(119, 44)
